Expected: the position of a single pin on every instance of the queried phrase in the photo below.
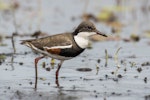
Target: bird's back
(54, 41)
(49, 41)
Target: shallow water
(18, 82)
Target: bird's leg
(36, 72)
(57, 72)
(59, 66)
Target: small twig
(116, 59)
(25, 35)
(97, 69)
(13, 43)
(12, 61)
(106, 57)
(13, 34)
(52, 63)
(15, 26)
(14, 20)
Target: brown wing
(50, 41)
(53, 51)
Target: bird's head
(86, 29)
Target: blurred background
(50, 16)
(116, 68)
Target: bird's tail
(26, 42)
(23, 42)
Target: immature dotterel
(63, 46)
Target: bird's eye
(90, 28)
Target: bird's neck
(81, 40)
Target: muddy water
(129, 82)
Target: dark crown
(85, 26)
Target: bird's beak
(100, 33)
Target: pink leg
(36, 72)
(57, 72)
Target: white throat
(82, 39)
